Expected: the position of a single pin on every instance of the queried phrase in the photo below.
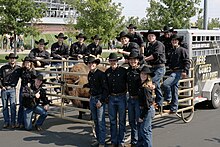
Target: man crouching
(35, 101)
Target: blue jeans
(159, 73)
(20, 119)
(145, 129)
(9, 95)
(133, 116)
(171, 86)
(28, 114)
(98, 116)
(117, 105)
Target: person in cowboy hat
(146, 87)
(127, 46)
(133, 80)
(136, 37)
(116, 79)
(179, 65)
(9, 76)
(166, 40)
(35, 101)
(60, 50)
(39, 53)
(95, 48)
(155, 56)
(99, 93)
(28, 73)
(78, 49)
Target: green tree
(175, 13)
(98, 17)
(16, 14)
(214, 23)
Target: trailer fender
(207, 89)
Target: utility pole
(205, 17)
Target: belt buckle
(8, 87)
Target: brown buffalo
(79, 80)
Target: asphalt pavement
(169, 131)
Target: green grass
(21, 56)
(3, 60)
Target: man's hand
(37, 95)
(80, 56)
(46, 107)
(140, 120)
(38, 63)
(3, 88)
(98, 104)
(184, 75)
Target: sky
(138, 8)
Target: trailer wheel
(215, 102)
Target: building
(57, 16)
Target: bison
(79, 80)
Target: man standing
(78, 49)
(127, 46)
(179, 66)
(95, 48)
(40, 53)
(116, 79)
(136, 37)
(59, 50)
(9, 76)
(155, 56)
(99, 92)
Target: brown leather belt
(118, 94)
(158, 65)
(134, 97)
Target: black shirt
(116, 80)
(59, 51)
(98, 84)
(37, 53)
(27, 76)
(179, 58)
(28, 95)
(76, 49)
(131, 46)
(133, 80)
(94, 49)
(137, 38)
(157, 49)
(9, 75)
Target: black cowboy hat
(11, 55)
(135, 55)
(40, 77)
(96, 37)
(146, 70)
(157, 34)
(81, 36)
(41, 41)
(113, 56)
(123, 34)
(131, 26)
(167, 29)
(27, 59)
(91, 59)
(61, 35)
(176, 37)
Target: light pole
(205, 17)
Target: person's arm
(186, 63)
(53, 52)
(66, 49)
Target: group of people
(146, 69)
(11, 41)
(143, 76)
(32, 97)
